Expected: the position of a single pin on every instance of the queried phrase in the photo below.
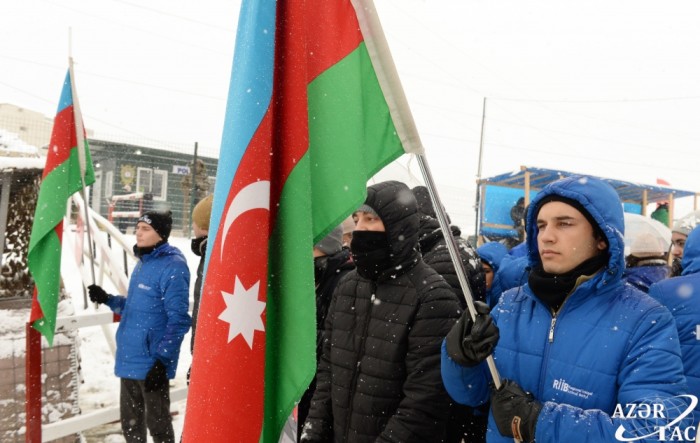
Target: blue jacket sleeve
(467, 386)
(116, 303)
(652, 372)
(176, 284)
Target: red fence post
(33, 385)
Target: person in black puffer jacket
(331, 263)
(379, 374)
(433, 246)
(465, 422)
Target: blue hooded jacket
(642, 277)
(492, 253)
(154, 318)
(608, 344)
(681, 295)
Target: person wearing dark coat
(378, 379)
(331, 263)
(200, 226)
(433, 247)
(465, 422)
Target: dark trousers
(140, 410)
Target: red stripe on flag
(238, 369)
(289, 98)
(333, 34)
(63, 139)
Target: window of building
(154, 181)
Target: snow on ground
(100, 387)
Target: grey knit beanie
(331, 243)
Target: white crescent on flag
(254, 196)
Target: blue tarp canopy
(499, 193)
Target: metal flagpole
(477, 205)
(454, 254)
(406, 129)
(80, 135)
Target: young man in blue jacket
(154, 321)
(681, 295)
(575, 346)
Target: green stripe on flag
(44, 254)
(351, 136)
(290, 360)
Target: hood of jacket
(492, 253)
(602, 203)
(396, 206)
(691, 253)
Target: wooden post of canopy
(645, 202)
(671, 205)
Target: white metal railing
(113, 259)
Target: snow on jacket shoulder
(154, 317)
(609, 343)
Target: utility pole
(477, 205)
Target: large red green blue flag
(314, 110)
(68, 169)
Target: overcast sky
(597, 87)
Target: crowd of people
(575, 328)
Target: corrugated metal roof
(629, 192)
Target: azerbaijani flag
(314, 110)
(68, 169)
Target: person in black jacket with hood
(331, 263)
(465, 422)
(379, 374)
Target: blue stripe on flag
(66, 95)
(249, 96)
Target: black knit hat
(597, 231)
(161, 222)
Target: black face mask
(140, 252)
(196, 245)
(553, 289)
(320, 265)
(370, 252)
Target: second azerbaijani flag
(314, 110)
(68, 169)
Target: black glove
(97, 294)
(469, 343)
(515, 411)
(156, 377)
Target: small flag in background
(314, 110)
(68, 168)
(662, 182)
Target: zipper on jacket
(551, 328)
(356, 369)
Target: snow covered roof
(16, 154)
